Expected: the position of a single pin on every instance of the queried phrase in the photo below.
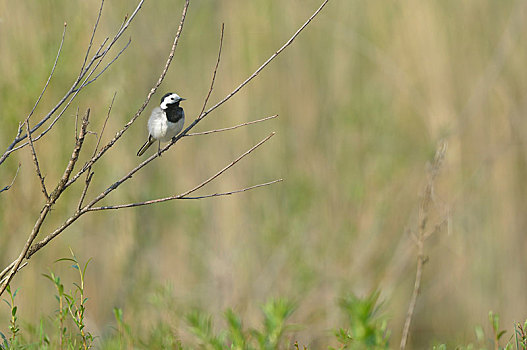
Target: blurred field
(363, 96)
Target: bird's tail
(144, 147)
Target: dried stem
(424, 208)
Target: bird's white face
(170, 99)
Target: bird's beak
(182, 99)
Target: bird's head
(170, 99)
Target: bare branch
(35, 161)
(231, 127)
(215, 70)
(6, 188)
(186, 193)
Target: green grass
(365, 325)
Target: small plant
(367, 330)
(276, 312)
(520, 335)
(13, 325)
(72, 304)
(62, 311)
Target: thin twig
(104, 125)
(51, 74)
(231, 127)
(424, 209)
(186, 193)
(215, 70)
(6, 188)
(234, 191)
(92, 36)
(35, 161)
(87, 182)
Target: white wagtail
(165, 122)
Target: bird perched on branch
(165, 122)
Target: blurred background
(363, 96)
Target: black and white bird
(165, 122)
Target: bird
(165, 122)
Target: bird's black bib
(174, 113)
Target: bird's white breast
(160, 128)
